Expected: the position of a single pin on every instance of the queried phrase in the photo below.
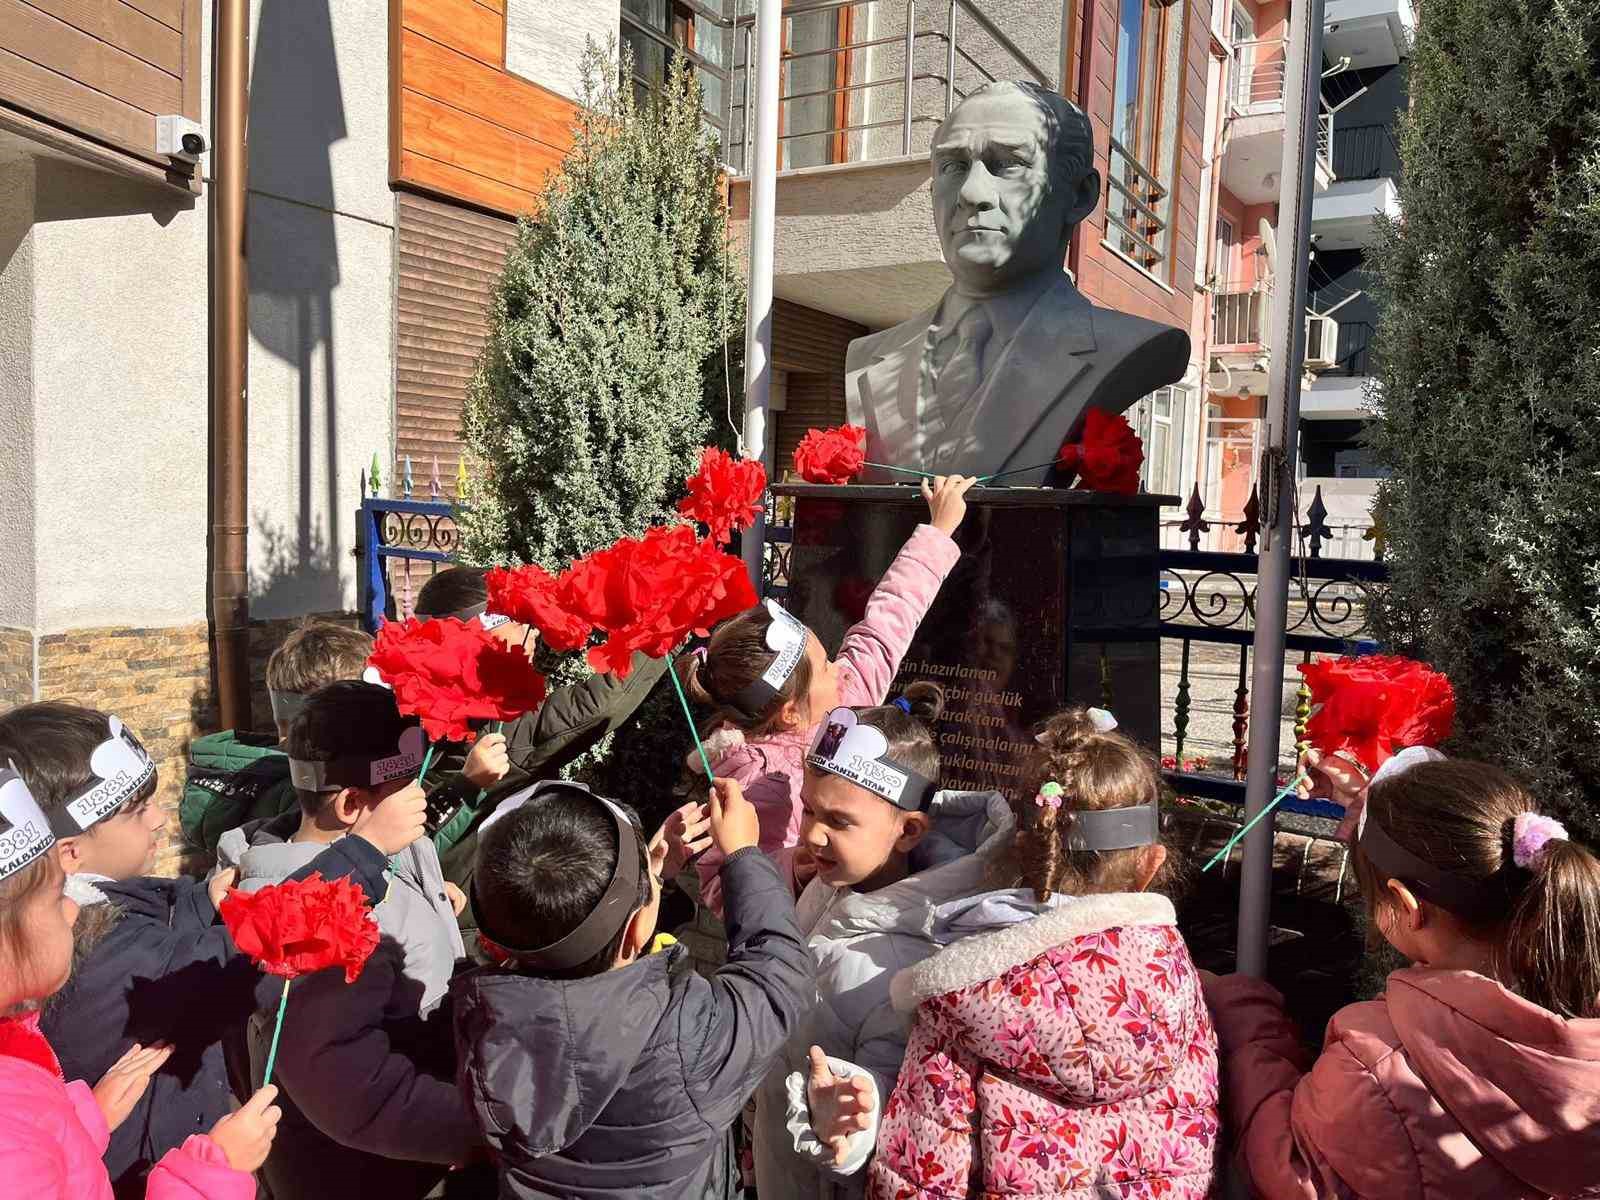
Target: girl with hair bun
(1060, 1036)
(768, 680)
(1477, 1073)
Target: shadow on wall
(296, 115)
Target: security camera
(180, 138)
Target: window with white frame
(1146, 129)
(1164, 420)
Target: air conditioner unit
(1322, 342)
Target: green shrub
(1490, 384)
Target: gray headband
(286, 706)
(605, 920)
(362, 770)
(1114, 828)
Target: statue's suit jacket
(1066, 355)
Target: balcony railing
(1239, 312)
(1365, 152)
(925, 57)
(1257, 74)
(1325, 142)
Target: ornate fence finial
(1377, 534)
(461, 477)
(407, 492)
(433, 480)
(374, 478)
(1195, 524)
(1250, 527)
(1317, 524)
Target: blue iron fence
(400, 542)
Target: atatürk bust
(1001, 370)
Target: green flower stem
(1221, 855)
(277, 1030)
(672, 672)
(427, 761)
(902, 470)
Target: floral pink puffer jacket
(1068, 1056)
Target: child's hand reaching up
(947, 500)
(120, 1088)
(245, 1137)
(396, 822)
(1337, 778)
(489, 761)
(685, 833)
(840, 1105)
(734, 824)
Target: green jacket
(233, 778)
(572, 720)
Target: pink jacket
(771, 768)
(1449, 1087)
(1069, 1055)
(52, 1135)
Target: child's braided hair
(1095, 770)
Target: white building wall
(104, 350)
(545, 39)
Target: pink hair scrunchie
(1531, 833)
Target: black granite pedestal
(1054, 602)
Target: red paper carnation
(295, 928)
(831, 455)
(448, 672)
(1107, 457)
(532, 596)
(1373, 706)
(650, 593)
(726, 493)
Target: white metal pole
(1301, 104)
(763, 168)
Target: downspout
(229, 315)
(1085, 78)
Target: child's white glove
(833, 1113)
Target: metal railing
(1325, 141)
(968, 50)
(1365, 152)
(1135, 202)
(401, 541)
(1257, 75)
(1238, 313)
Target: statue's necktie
(957, 365)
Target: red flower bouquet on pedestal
(1107, 457)
(831, 455)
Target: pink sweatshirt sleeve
(873, 647)
(198, 1170)
(1319, 1134)
(774, 799)
(81, 1096)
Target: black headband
(1114, 828)
(1478, 900)
(605, 920)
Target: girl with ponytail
(1477, 1073)
(1061, 1045)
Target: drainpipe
(763, 167)
(1302, 95)
(229, 305)
(1085, 81)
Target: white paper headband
(860, 754)
(119, 769)
(24, 831)
(786, 638)
(359, 770)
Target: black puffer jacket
(628, 1083)
(167, 971)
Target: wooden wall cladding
(450, 258)
(102, 69)
(809, 347)
(461, 125)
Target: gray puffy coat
(628, 1083)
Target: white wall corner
(545, 39)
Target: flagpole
(1302, 100)
(763, 171)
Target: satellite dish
(1269, 243)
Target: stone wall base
(158, 680)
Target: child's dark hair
(51, 744)
(315, 654)
(543, 869)
(348, 717)
(451, 591)
(1095, 770)
(1460, 817)
(736, 657)
(911, 742)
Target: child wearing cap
(151, 962)
(892, 857)
(594, 1067)
(52, 1132)
(370, 1107)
